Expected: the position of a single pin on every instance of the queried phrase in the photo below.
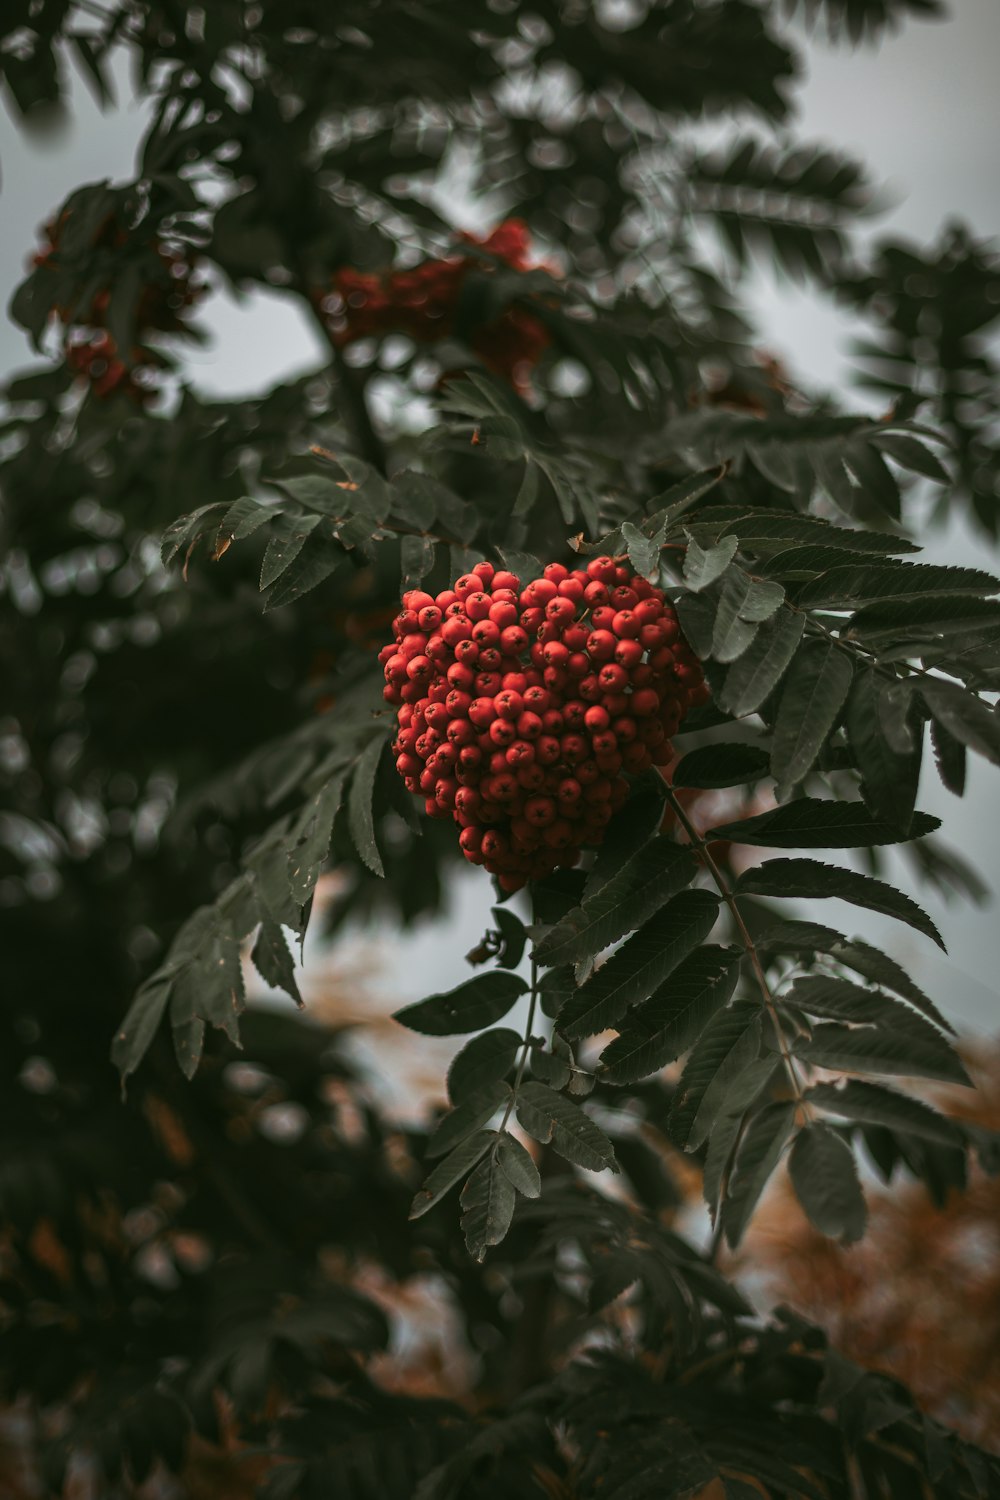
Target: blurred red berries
(525, 743)
(167, 292)
(423, 303)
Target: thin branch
(525, 1048)
(729, 898)
(350, 385)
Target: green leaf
(752, 679)
(290, 533)
(841, 1000)
(825, 1179)
(870, 1049)
(844, 587)
(964, 716)
(450, 1171)
(816, 686)
(725, 764)
(875, 1104)
(809, 938)
(703, 565)
(950, 758)
(730, 1041)
(518, 1167)
(759, 1153)
(471, 1006)
(314, 827)
(416, 558)
(475, 1111)
(360, 815)
(513, 935)
(548, 1116)
(889, 779)
(732, 632)
(626, 901)
(809, 823)
(643, 551)
(638, 822)
(920, 620)
(314, 565)
(807, 879)
(671, 1021)
(775, 532)
(484, 1060)
(635, 970)
(488, 1200)
(274, 961)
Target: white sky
(924, 113)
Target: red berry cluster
(423, 304)
(90, 351)
(521, 710)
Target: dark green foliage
(194, 593)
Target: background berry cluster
(424, 304)
(167, 290)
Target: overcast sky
(924, 113)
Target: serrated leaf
(315, 826)
(450, 1171)
(889, 778)
(807, 879)
(725, 764)
(696, 613)
(481, 1062)
(759, 1152)
(964, 716)
(671, 1021)
(488, 1201)
(640, 965)
(513, 935)
(476, 1110)
(471, 1006)
(643, 551)
(626, 901)
(360, 813)
(754, 677)
(273, 960)
(314, 564)
(518, 1167)
(703, 565)
(728, 1043)
(551, 1117)
(416, 558)
(848, 585)
(808, 823)
(841, 1000)
(876, 1104)
(731, 631)
(638, 822)
(289, 538)
(871, 1049)
(816, 686)
(825, 1178)
(808, 938)
(950, 758)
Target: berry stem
(525, 1048)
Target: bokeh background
(923, 111)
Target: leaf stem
(729, 898)
(525, 1049)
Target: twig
(729, 898)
